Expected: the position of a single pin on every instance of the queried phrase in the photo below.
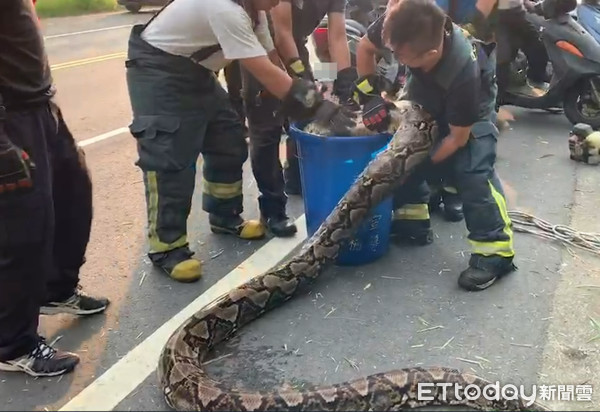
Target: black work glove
(365, 87)
(343, 87)
(376, 114)
(337, 118)
(16, 169)
(305, 103)
(297, 69)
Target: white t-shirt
(185, 26)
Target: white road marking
(76, 33)
(106, 392)
(103, 136)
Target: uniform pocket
(166, 142)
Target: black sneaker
(279, 226)
(78, 304)
(453, 208)
(484, 271)
(43, 360)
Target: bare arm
(273, 78)
(486, 6)
(365, 57)
(338, 44)
(281, 16)
(458, 137)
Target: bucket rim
(297, 127)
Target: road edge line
(77, 33)
(103, 136)
(122, 378)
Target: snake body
(186, 385)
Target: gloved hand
(297, 69)
(365, 87)
(304, 103)
(16, 169)
(337, 118)
(376, 114)
(343, 87)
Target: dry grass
(60, 8)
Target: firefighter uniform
(181, 111)
(441, 188)
(487, 220)
(45, 226)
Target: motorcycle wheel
(579, 104)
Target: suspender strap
(453, 64)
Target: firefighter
(180, 111)
(453, 76)
(412, 220)
(266, 124)
(45, 202)
(293, 22)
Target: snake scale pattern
(187, 387)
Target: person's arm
(264, 37)
(485, 7)
(369, 45)
(336, 34)
(462, 111)
(301, 100)
(477, 22)
(283, 30)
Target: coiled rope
(527, 223)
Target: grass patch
(60, 8)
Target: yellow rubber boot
(244, 229)
(178, 264)
(187, 271)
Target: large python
(187, 387)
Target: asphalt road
(403, 310)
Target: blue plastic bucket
(328, 167)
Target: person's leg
(265, 129)
(509, 42)
(410, 221)
(72, 197)
(233, 78)
(486, 216)
(169, 123)
(26, 236)
(444, 195)
(225, 150)
(291, 168)
(534, 49)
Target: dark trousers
(291, 166)
(44, 233)
(265, 126)
(179, 112)
(233, 78)
(484, 205)
(515, 32)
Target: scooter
(588, 15)
(575, 58)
